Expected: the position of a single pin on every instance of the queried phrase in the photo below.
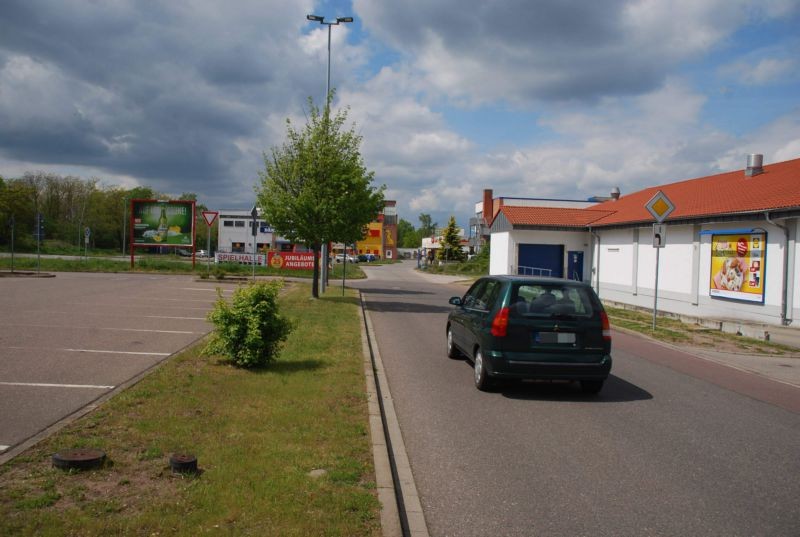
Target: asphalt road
(673, 445)
(73, 339)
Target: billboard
(738, 266)
(162, 223)
(292, 260)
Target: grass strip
(678, 332)
(169, 265)
(257, 435)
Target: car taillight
(500, 323)
(606, 326)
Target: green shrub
(249, 330)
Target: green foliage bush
(249, 330)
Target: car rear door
(478, 316)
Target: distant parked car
(202, 253)
(520, 327)
(339, 258)
(184, 252)
(367, 258)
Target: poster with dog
(737, 266)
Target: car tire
(452, 351)
(482, 379)
(591, 386)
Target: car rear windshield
(545, 300)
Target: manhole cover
(79, 459)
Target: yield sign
(209, 217)
(660, 206)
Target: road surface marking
(3, 448)
(94, 351)
(107, 328)
(45, 385)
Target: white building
(235, 234)
(729, 251)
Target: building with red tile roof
(743, 223)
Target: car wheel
(482, 379)
(452, 351)
(591, 386)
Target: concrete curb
(401, 510)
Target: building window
(239, 223)
(227, 223)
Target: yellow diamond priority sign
(660, 206)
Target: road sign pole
(655, 294)
(209, 217)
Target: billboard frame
(192, 217)
(750, 267)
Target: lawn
(282, 451)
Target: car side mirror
(456, 300)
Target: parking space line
(3, 448)
(93, 351)
(45, 385)
(168, 317)
(213, 290)
(119, 315)
(50, 326)
(152, 299)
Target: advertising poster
(737, 266)
(292, 260)
(162, 223)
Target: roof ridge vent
(615, 193)
(755, 165)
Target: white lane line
(94, 351)
(157, 299)
(212, 290)
(149, 306)
(106, 328)
(119, 315)
(167, 317)
(44, 385)
(3, 448)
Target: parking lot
(70, 341)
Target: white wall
(685, 272)
(616, 257)
(505, 248)
(500, 253)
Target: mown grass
(256, 434)
(165, 264)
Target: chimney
(754, 165)
(488, 206)
(615, 193)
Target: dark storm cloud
(160, 91)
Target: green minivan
(520, 327)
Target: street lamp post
(335, 22)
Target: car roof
(544, 280)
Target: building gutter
(785, 320)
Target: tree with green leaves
(407, 236)
(451, 243)
(315, 188)
(427, 227)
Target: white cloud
(759, 72)
(522, 52)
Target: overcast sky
(532, 98)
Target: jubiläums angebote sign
(162, 223)
(737, 266)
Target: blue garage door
(538, 259)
